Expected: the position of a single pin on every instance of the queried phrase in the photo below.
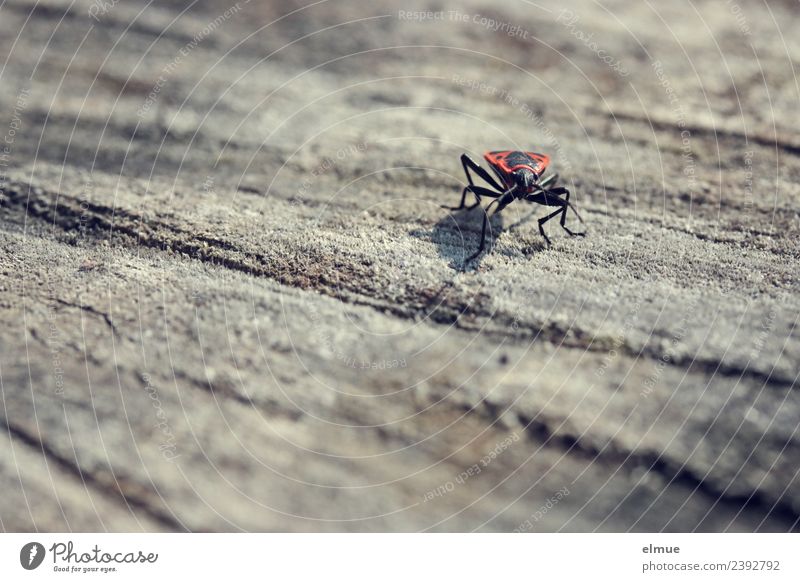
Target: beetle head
(524, 179)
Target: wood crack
(111, 487)
(711, 132)
(756, 500)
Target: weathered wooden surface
(236, 304)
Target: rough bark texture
(230, 298)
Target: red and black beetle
(519, 174)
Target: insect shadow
(457, 234)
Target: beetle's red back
(507, 162)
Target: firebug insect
(519, 175)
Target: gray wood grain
(237, 304)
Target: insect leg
(543, 220)
(468, 163)
(478, 191)
(483, 239)
(463, 200)
(483, 233)
(549, 181)
(564, 215)
(561, 191)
